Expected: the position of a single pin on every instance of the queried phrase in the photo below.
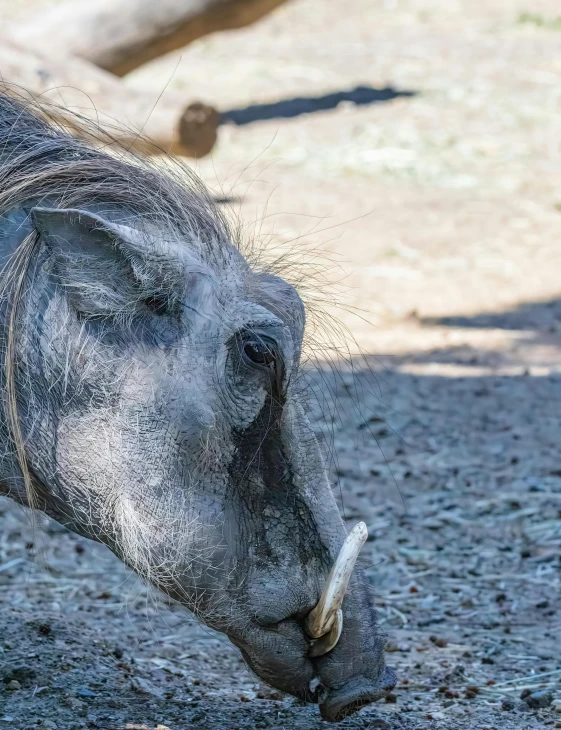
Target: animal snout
(322, 620)
(354, 694)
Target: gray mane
(41, 161)
(42, 164)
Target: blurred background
(414, 146)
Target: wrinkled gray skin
(148, 428)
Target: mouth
(303, 656)
(288, 667)
(280, 657)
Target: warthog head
(152, 390)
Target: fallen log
(132, 117)
(120, 35)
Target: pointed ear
(103, 267)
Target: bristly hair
(40, 161)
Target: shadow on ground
(537, 341)
(538, 316)
(360, 96)
(465, 563)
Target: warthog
(152, 402)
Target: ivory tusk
(326, 642)
(321, 619)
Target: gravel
(437, 217)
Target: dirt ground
(412, 147)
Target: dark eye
(260, 352)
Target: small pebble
(85, 692)
(144, 685)
(536, 700)
(556, 706)
(391, 646)
(74, 703)
(508, 705)
(14, 684)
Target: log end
(198, 127)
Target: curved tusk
(326, 642)
(321, 619)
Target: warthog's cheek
(279, 657)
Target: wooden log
(120, 35)
(133, 117)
